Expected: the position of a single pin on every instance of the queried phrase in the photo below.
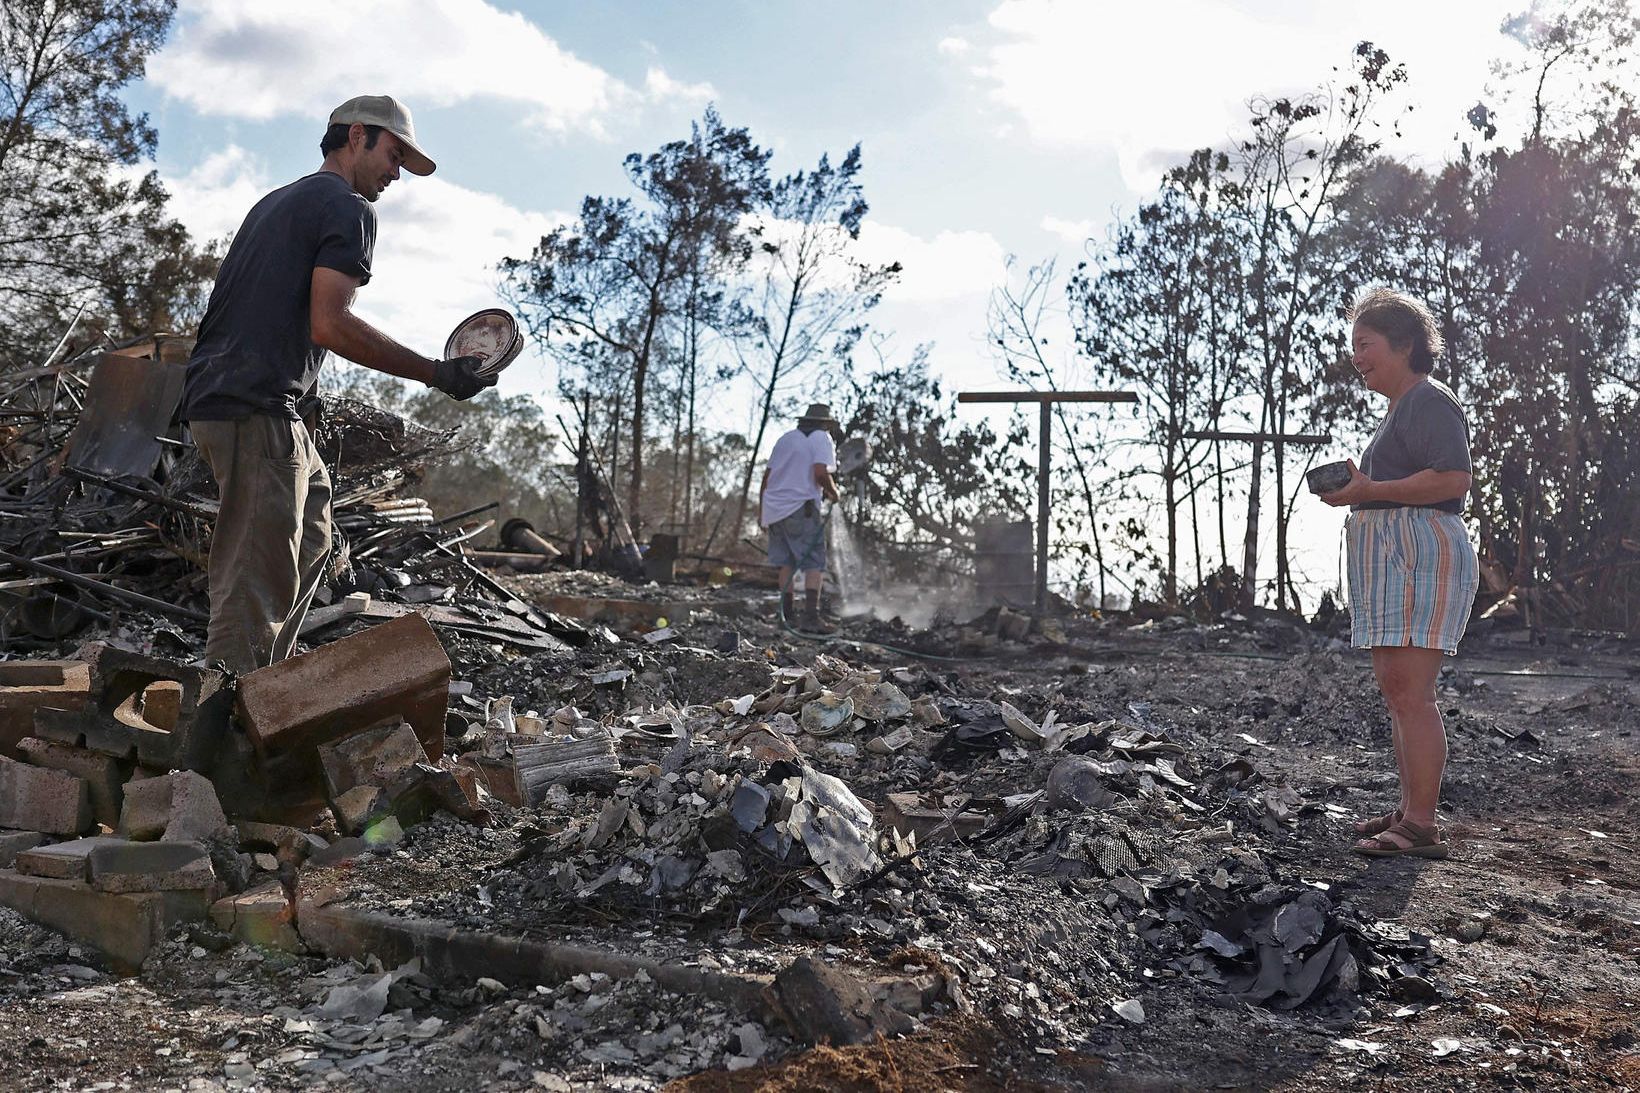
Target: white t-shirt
(791, 472)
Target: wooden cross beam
(1046, 400)
(1249, 548)
(1287, 438)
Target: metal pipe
(469, 512)
(141, 494)
(102, 587)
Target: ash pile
(952, 853)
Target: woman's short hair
(336, 137)
(1404, 321)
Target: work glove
(459, 378)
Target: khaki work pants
(271, 539)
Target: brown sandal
(1367, 828)
(1421, 842)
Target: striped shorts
(1413, 578)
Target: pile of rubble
(592, 833)
(105, 516)
(129, 760)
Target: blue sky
(990, 127)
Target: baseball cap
(392, 115)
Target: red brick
(262, 917)
(124, 927)
(38, 799)
(104, 775)
(395, 669)
(27, 685)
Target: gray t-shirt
(255, 353)
(1424, 431)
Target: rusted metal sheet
(128, 406)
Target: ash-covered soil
(1111, 944)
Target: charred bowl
(1328, 477)
(492, 335)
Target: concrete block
(39, 799)
(162, 703)
(342, 850)
(104, 775)
(123, 927)
(355, 808)
(263, 917)
(395, 669)
(146, 709)
(377, 756)
(267, 836)
(179, 807)
(28, 685)
(151, 867)
(13, 843)
(62, 861)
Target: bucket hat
(393, 116)
(819, 414)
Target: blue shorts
(1413, 578)
(799, 541)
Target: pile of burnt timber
(106, 513)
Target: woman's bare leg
(1406, 677)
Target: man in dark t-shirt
(283, 299)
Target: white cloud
(955, 47)
(1153, 81)
(437, 244)
(952, 264)
(212, 199)
(660, 87)
(1072, 231)
(258, 60)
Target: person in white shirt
(798, 477)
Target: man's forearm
(349, 336)
(1427, 487)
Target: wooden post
(1249, 556)
(1043, 465)
(1044, 460)
(583, 467)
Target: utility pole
(1249, 551)
(1045, 400)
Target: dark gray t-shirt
(1424, 431)
(255, 353)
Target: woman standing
(1413, 574)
